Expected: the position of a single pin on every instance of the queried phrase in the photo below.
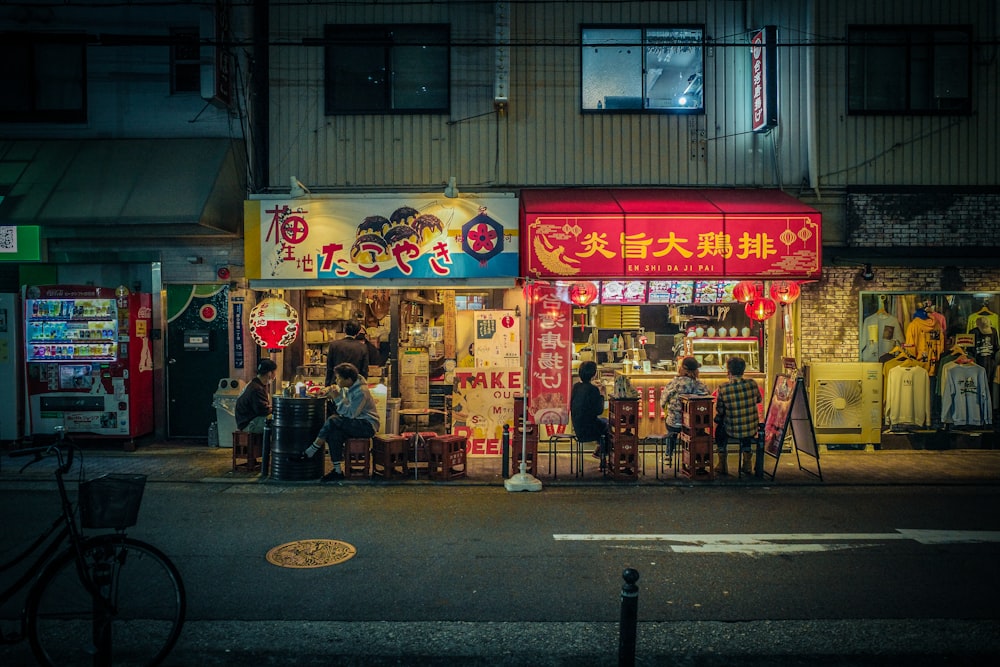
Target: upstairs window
(43, 78)
(913, 70)
(185, 60)
(657, 69)
(387, 69)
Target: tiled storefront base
(939, 440)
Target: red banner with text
(550, 355)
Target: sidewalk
(195, 462)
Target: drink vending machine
(88, 360)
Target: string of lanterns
(759, 307)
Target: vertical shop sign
(550, 356)
(238, 332)
(764, 78)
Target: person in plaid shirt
(736, 415)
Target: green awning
(124, 188)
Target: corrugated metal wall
(908, 150)
(544, 139)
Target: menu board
(714, 291)
(623, 292)
(670, 291)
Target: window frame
(911, 34)
(31, 42)
(181, 39)
(387, 43)
(644, 42)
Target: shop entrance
(197, 356)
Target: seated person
(253, 407)
(736, 415)
(586, 404)
(356, 417)
(685, 383)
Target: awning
(124, 188)
(668, 233)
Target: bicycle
(104, 600)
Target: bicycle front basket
(111, 501)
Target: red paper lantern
(274, 324)
(785, 291)
(582, 293)
(745, 291)
(760, 308)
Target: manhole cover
(311, 553)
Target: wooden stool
(357, 458)
(623, 461)
(447, 458)
(247, 447)
(389, 456)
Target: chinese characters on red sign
(675, 246)
(551, 354)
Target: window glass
(185, 60)
(653, 69)
(908, 70)
(43, 79)
(387, 69)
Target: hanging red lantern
(785, 291)
(274, 324)
(582, 293)
(760, 308)
(745, 291)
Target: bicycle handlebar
(48, 450)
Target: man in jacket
(350, 350)
(253, 406)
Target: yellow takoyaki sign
(396, 236)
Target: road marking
(779, 543)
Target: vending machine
(88, 360)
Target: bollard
(505, 452)
(629, 617)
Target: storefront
(432, 279)
(666, 273)
(466, 297)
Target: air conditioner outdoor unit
(846, 402)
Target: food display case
(712, 353)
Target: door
(197, 355)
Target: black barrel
(295, 424)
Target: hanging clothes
(880, 333)
(965, 400)
(908, 397)
(924, 340)
(993, 318)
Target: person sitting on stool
(736, 415)
(585, 407)
(356, 417)
(253, 407)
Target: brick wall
(886, 220)
(912, 221)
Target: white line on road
(774, 543)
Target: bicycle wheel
(139, 627)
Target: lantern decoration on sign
(274, 324)
(785, 291)
(581, 295)
(745, 291)
(760, 308)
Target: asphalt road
(476, 575)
